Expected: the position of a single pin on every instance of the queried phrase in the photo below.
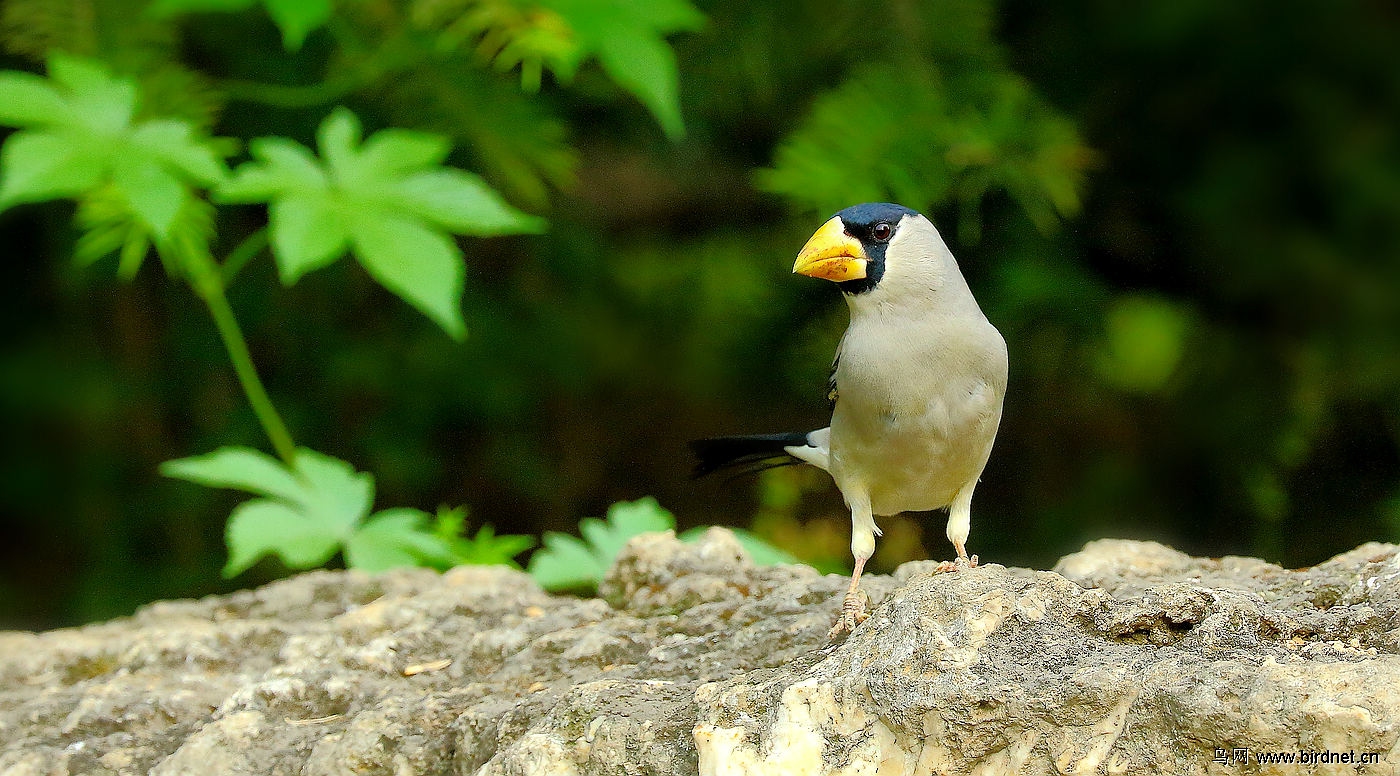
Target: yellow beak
(832, 254)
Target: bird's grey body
(917, 385)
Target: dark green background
(1204, 354)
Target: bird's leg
(852, 607)
(963, 558)
(863, 531)
(959, 525)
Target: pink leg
(853, 607)
(964, 561)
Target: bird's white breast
(918, 408)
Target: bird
(916, 387)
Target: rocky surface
(1128, 658)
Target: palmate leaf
(109, 225)
(387, 200)
(570, 563)
(239, 468)
(391, 539)
(29, 100)
(419, 263)
(263, 527)
(485, 548)
(307, 513)
(625, 520)
(78, 135)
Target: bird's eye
(882, 231)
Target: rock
(1129, 658)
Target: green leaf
(28, 100)
(297, 18)
(311, 510)
(99, 241)
(154, 194)
(174, 143)
(462, 203)
(261, 527)
(521, 144)
(483, 549)
(393, 152)
(100, 101)
(105, 213)
(35, 166)
(333, 493)
(387, 197)
(419, 264)
(628, 37)
(488, 549)
(450, 522)
(307, 234)
(645, 66)
(134, 250)
(84, 143)
(240, 468)
(949, 139)
(625, 520)
(568, 563)
(393, 538)
(336, 139)
(283, 167)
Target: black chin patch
(859, 220)
(874, 269)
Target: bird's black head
(874, 224)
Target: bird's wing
(831, 392)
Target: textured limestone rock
(1129, 658)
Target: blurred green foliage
(1183, 218)
(388, 201)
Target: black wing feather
(832, 393)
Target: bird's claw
(852, 614)
(947, 566)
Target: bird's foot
(947, 566)
(852, 614)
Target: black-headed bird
(916, 387)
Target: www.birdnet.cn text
(1244, 756)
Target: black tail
(750, 453)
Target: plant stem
(288, 95)
(207, 283)
(248, 375)
(241, 254)
(396, 54)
